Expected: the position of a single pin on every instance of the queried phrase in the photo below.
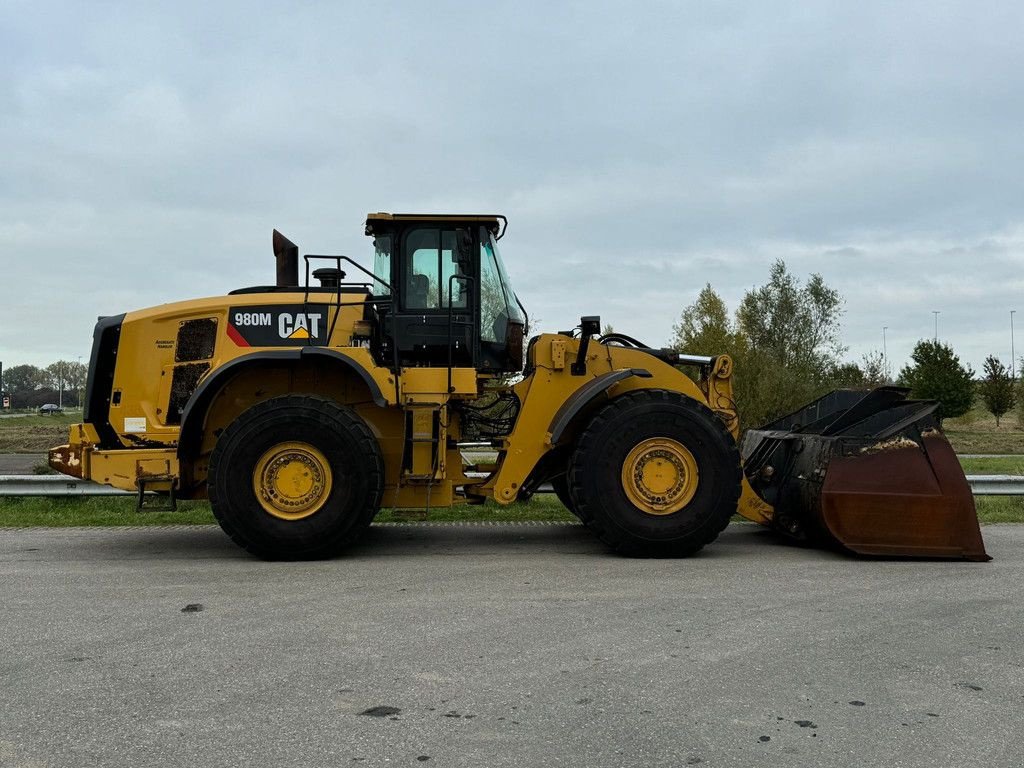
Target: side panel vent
(196, 340)
(186, 379)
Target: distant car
(50, 408)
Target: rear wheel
(296, 477)
(655, 473)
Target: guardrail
(996, 485)
(63, 485)
(55, 485)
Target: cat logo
(281, 325)
(301, 325)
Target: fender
(585, 395)
(194, 413)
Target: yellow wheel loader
(301, 409)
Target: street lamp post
(936, 312)
(79, 383)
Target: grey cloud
(640, 151)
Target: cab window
(431, 263)
(381, 265)
(498, 304)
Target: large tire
(296, 477)
(686, 468)
(560, 485)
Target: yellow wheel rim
(292, 480)
(660, 476)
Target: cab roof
(381, 220)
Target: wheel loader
(301, 409)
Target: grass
(1003, 465)
(35, 433)
(1000, 509)
(976, 432)
(986, 442)
(38, 511)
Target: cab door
(434, 321)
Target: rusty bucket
(868, 472)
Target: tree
(22, 379)
(936, 373)
(783, 340)
(704, 327)
(848, 376)
(875, 369)
(796, 325)
(27, 385)
(1020, 399)
(996, 389)
(66, 375)
(76, 375)
(791, 331)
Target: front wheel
(655, 473)
(560, 485)
(296, 477)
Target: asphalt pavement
(503, 645)
(20, 463)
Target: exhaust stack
(287, 255)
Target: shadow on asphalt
(392, 539)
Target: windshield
(381, 265)
(498, 302)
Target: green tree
(65, 374)
(848, 375)
(936, 373)
(704, 328)
(875, 369)
(67, 377)
(766, 390)
(997, 388)
(783, 340)
(22, 379)
(791, 331)
(796, 325)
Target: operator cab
(441, 294)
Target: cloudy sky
(639, 150)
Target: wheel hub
(292, 480)
(660, 476)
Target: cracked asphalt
(503, 645)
